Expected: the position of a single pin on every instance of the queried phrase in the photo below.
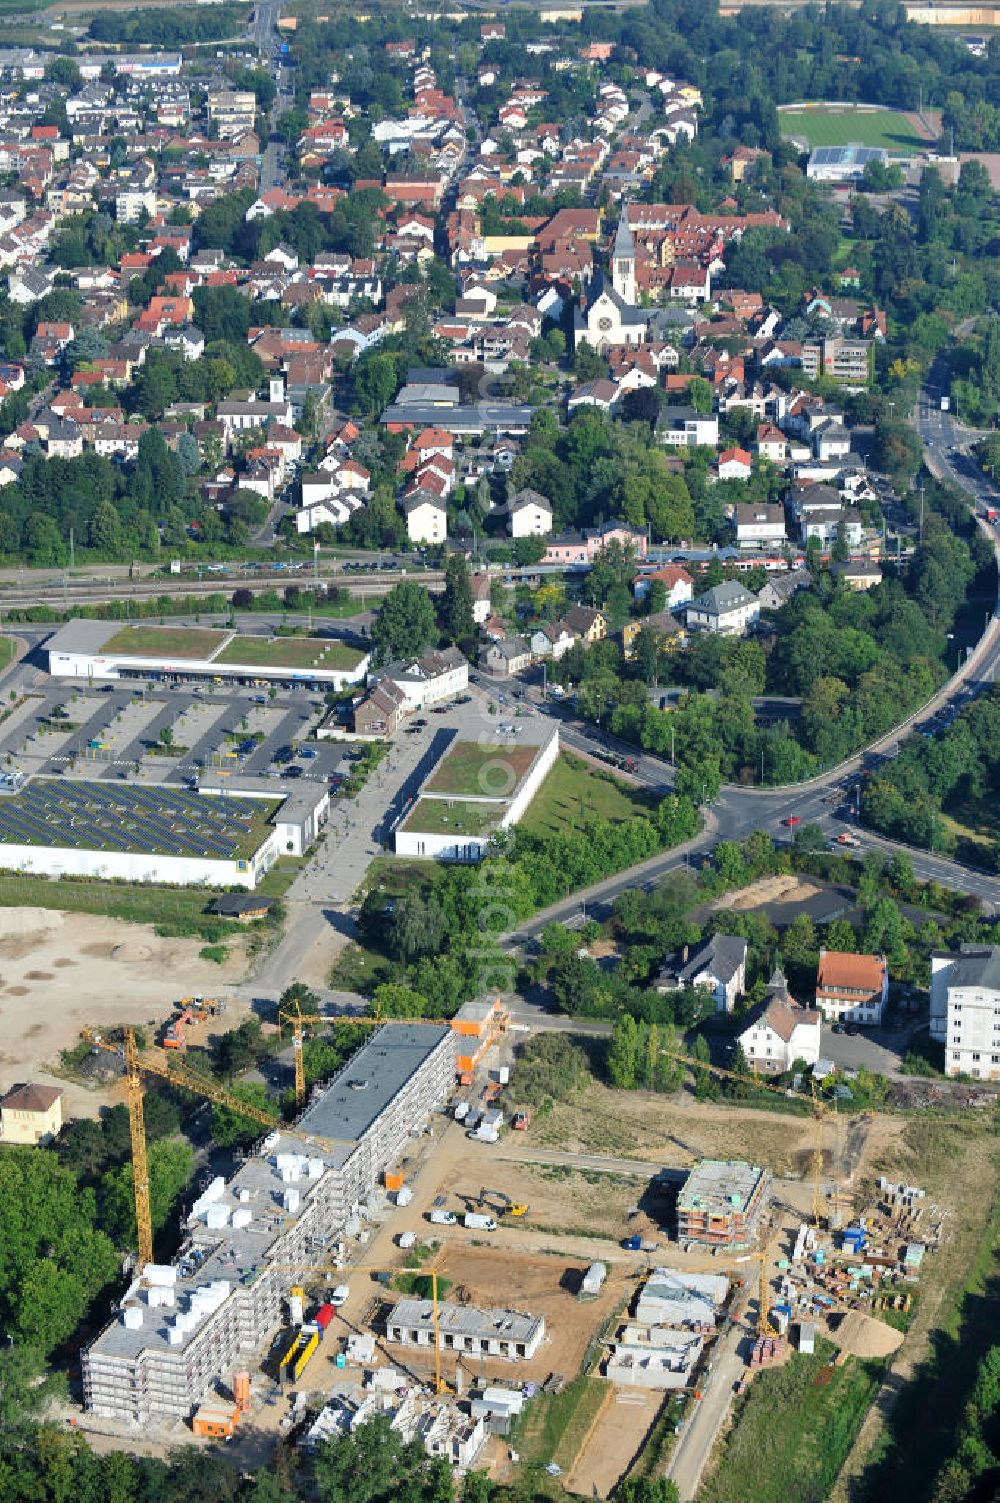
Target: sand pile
(863, 1336)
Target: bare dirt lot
(60, 972)
(613, 1441)
(786, 889)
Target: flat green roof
(439, 816)
(289, 652)
(492, 771)
(194, 642)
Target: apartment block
(182, 1327)
(965, 1010)
(233, 112)
(721, 1203)
(843, 359)
(851, 988)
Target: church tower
(623, 260)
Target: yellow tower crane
(137, 1065)
(297, 1020)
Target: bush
(550, 1068)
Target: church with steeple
(610, 318)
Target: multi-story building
(233, 112)
(843, 359)
(760, 525)
(721, 1203)
(851, 988)
(727, 609)
(965, 1010)
(778, 1031)
(181, 1328)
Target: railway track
(96, 592)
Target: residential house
(481, 596)
(734, 464)
(586, 623)
(381, 710)
(727, 609)
(852, 988)
(530, 514)
(859, 574)
(760, 526)
(676, 580)
(506, 657)
(719, 966)
(427, 680)
(965, 1010)
(551, 640)
(426, 517)
(683, 427)
(779, 588)
(30, 1114)
(779, 1032)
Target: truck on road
(946, 404)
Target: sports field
(842, 125)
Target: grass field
(492, 771)
(556, 1425)
(171, 910)
(439, 816)
(818, 1423)
(837, 125)
(290, 652)
(7, 648)
(194, 642)
(574, 791)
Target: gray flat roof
(81, 635)
(466, 1320)
(371, 1080)
(720, 1186)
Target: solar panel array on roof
(157, 821)
(831, 156)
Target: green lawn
(573, 791)
(7, 649)
(194, 642)
(171, 910)
(791, 1434)
(440, 816)
(290, 652)
(838, 125)
(491, 771)
(556, 1425)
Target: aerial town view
(499, 752)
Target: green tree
(457, 620)
(391, 1000)
(406, 624)
(171, 1164)
(623, 1054)
(229, 1128)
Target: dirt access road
(61, 972)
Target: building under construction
(721, 1204)
(183, 1327)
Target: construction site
(357, 1264)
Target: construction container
(807, 1337)
(503, 1074)
(324, 1315)
(393, 1179)
(404, 1196)
(488, 1130)
(407, 1239)
(593, 1279)
(241, 1391)
(296, 1307)
(215, 1421)
(461, 1111)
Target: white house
(734, 464)
(779, 1031)
(727, 609)
(965, 1010)
(426, 518)
(851, 988)
(682, 427)
(424, 681)
(530, 514)
(481, 598)
(759, 525)
(718, 966)
(676, 580)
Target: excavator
(496, 1200)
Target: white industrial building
(509, 1334)
(179, 654)
(159, 834)
(182, 1329)
(457, 826)
(843, 164)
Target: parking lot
(162, 734)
